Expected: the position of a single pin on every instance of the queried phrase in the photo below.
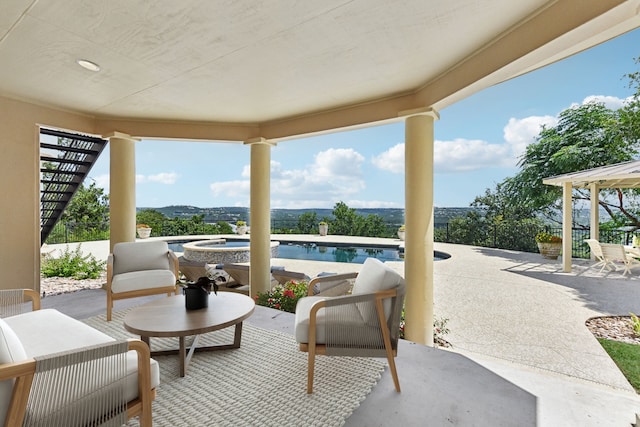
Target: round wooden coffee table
(168, 317)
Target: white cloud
(519, 133)
(167, 178)
(391, 160)
(611, 102)
(334, 175)
(461, 155)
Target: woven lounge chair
(58, 371)
(365, 323)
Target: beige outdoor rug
(262, 383)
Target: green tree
(156, 220)
(88, 205)
(345, 220)
(308, 223)
(372, 226)
(86, 216)
(585, 137)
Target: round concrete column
(567, 225)
(418, 261)
(260, 216)
(122, 189)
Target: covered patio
(257, 73)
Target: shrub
(636, 324)
(283, 297)
(72, 264)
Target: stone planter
(323, 229)
(401, 234)
(550, 250)
(241, 229)
(143, 233)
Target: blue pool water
(337, 254)
(313, 252)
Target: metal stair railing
(63, 165)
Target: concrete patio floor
(521, 353)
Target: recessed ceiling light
(91, 66)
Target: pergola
(258, 72)
(621, 175)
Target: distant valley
(233, 214)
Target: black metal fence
(518, 238)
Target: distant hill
(232, 214)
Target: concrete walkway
(521, 354)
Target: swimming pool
(315, 252)
(354, 254)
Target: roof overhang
(621, 175)
(222, 70)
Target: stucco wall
(20, 195)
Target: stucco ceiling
(268, 61)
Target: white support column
(418, 262)
(594, 225)
(260, 216)
(122, 188)
(567, 226)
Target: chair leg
(312, 362)
(109, 307)
(392, 368)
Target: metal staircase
(65, 161)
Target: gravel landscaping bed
(617, 328)
(63, 285)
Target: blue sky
(478, 142)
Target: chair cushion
(351, 323)
(48, 331)
(11, 350)
(138, 280)
(373, 277)
(134, 256)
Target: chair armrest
(174, 261)
(339, 278)
(24, 372)
(175, 266)
(109, 271)
(11, 301)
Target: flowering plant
(283, 297)
(544, 237)
(241, 223)
(142, 226)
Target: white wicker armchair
(87, 378)
(365, 323)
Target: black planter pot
(195, 297)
